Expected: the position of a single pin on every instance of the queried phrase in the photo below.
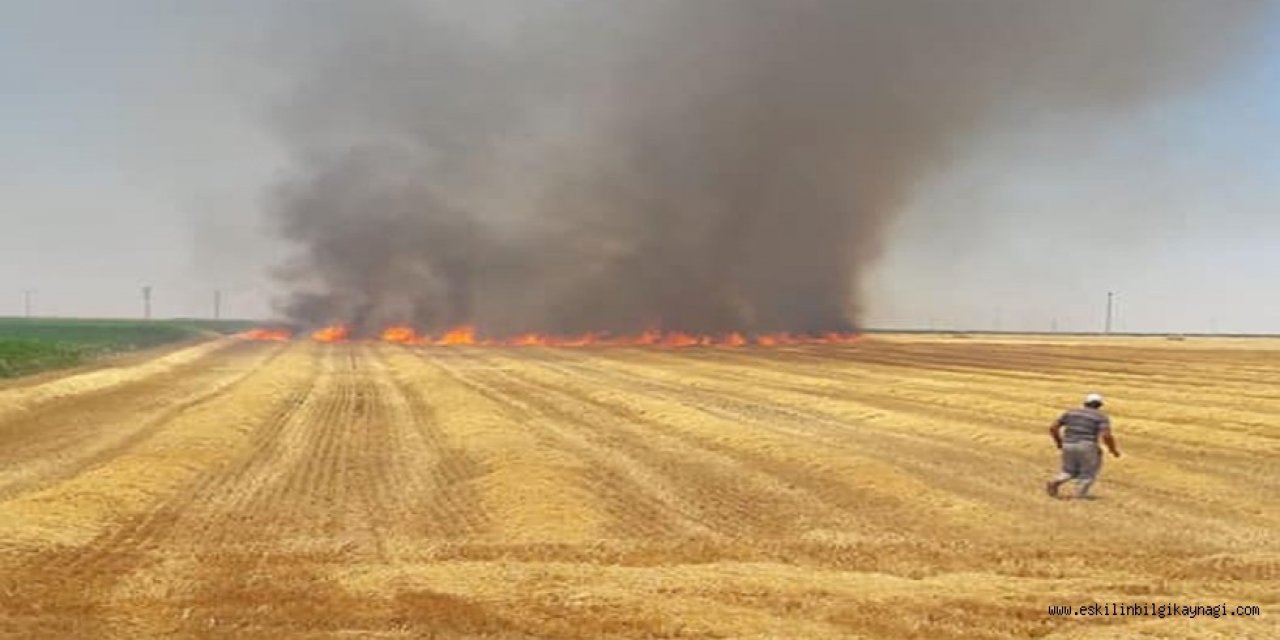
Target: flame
(776, 339)
(334, 333)
(401, 334)
(267, 335)
(466, 335)
(645, 339)
(841, 338)
(529, 340)
(679, 339)
(584, 340)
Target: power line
(1110, 305)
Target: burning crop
(267, 335)
(719, 166)
(334, 333)
(469, 336)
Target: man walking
(1076, 433)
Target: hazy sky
(135, 150)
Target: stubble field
(891, 488)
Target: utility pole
(146, 302)
(217, 304)
(1053, 326)
(26, 302)
(1110, 304)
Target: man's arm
(1055, 432)
(1110, 441)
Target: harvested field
(891, 488)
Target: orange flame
(402, 335)
(679, 339)
(334, 333)
(645, 339)
(529, 340)
(463, 335)
(466, 335)
(267, 335)
(841, 338)
(584, 340)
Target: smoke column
(706, 165)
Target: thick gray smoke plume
(700, 165)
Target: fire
(463, 335)
(584, 340)
(529, 340)
(645, 339)
(334, 333)
(841, 338)
(778, 339)
(267, 335)
(402, 335)
(466, 335)
(680, 339)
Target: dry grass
(887, 489)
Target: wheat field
(887, 489)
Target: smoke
(702, 166)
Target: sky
(136, 149)
(1175, 208)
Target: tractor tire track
(73, 578)
(804, 484)
(610, 475)
(933, 455)
(712, 484)
(733, 403)
(1222, 461)
(374, 490)
(437, 471)
(67, 439)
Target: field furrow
(59, 438)
(890, 488)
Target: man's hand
(1108, 440)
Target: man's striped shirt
(1083, 425)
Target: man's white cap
(1092, 398)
